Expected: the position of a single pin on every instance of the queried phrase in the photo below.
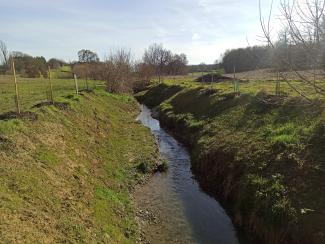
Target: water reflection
(186, 213)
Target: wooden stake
(51, 86)
(235, 83)
(277, 85)
(16, 87)
(76, 83)
(87, 86)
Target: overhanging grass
(266, 161)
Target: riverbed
(172, 208)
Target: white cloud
(202, 29)
(195, 36)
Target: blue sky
(202, 29)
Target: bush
(143, 167)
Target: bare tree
(4, 54)
(163, 61)
(144, 71)
(119, 71)
(143, 75)
(158, 57)
(177, 65)
(304, 32)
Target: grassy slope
(66, 176)
(267, 163)
(63, 72)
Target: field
(63, 72)
(35, 90)
(251, 83)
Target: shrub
(143, 167)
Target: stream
(176, 209)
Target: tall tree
(55, 63)
(163, 61)
(87, 56)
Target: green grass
(67, 176)
(35, 90)
(46, 156)
(63, 72)
(247, 87)
(264, 161)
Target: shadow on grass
(206, 103)
(89, 90)
(59, 105)
(14, 115)
(6, 144)
(158, 94)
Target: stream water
(183, 213)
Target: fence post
(235, 82)
(16, 87)
(87, 86)
(76, 83)
(277, 85)
(237, 86)
(51, 86)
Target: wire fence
(24, 93)
(21, 94)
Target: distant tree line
(244, 59)
(292, 50)
(123, 74)
(119, 69)
(202, 67)
(26, 65)
(29, 66)
(283, 57)
(56, 63)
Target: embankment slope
(262, 156)
(66, 172)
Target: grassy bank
(262, 156)
(66, 170)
